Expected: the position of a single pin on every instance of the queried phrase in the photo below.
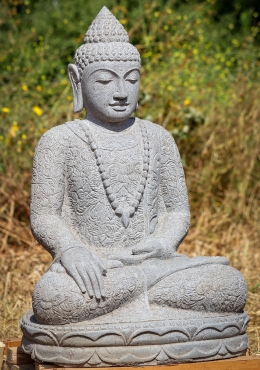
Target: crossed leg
(202, 284)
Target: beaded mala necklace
(124, 211)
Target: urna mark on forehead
(105, 40)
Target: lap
(215, 288)
(182, 282)
(57, 298)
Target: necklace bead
(127, 209)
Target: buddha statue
(109, 203)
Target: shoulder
(159, 132)
(57, 133)
(168, 146)
(56, 137)
(155, 128)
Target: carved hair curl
(96, 52)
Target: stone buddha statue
(109, 202)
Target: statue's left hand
(147, 249)
(153, 248)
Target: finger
(100, 264)
(119, 257)
(142, 249)
(137, 259)
(76, 276)
(113, 264)
(84, 276)
(112, 257)
(100, 281)
(94, 282)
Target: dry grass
(223, 180)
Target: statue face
(110, 90)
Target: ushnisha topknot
(106, 39)
(106, 28)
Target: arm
(174, 224)
(47, 224)
(47, 192)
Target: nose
(121, 92)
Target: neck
(112, 126)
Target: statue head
(106, 73)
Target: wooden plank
(239, 363)
(46, 366)
(12, 342)
(5, 366)
(20, 367)
(16, 356)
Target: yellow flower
(24, 87)
(69, 98)
(13, 129)
(38, 88)
(169, 11)
(123, 21)
(187, 102)
(5, 110)
(195, 51)
(24, 136)
(156, 14)
(37, 110)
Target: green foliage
(190, 64)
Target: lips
(119, 105)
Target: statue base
(168, 336)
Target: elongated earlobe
(76, 87)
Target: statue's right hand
(86, 269)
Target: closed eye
(132, 80)
(104, 82)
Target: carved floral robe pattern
(69, 208)
(69, 205)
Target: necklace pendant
(125, 214)
(125, 218)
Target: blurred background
(199, 79)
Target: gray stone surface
(109, 202)
(169, 336)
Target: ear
(76, 87)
